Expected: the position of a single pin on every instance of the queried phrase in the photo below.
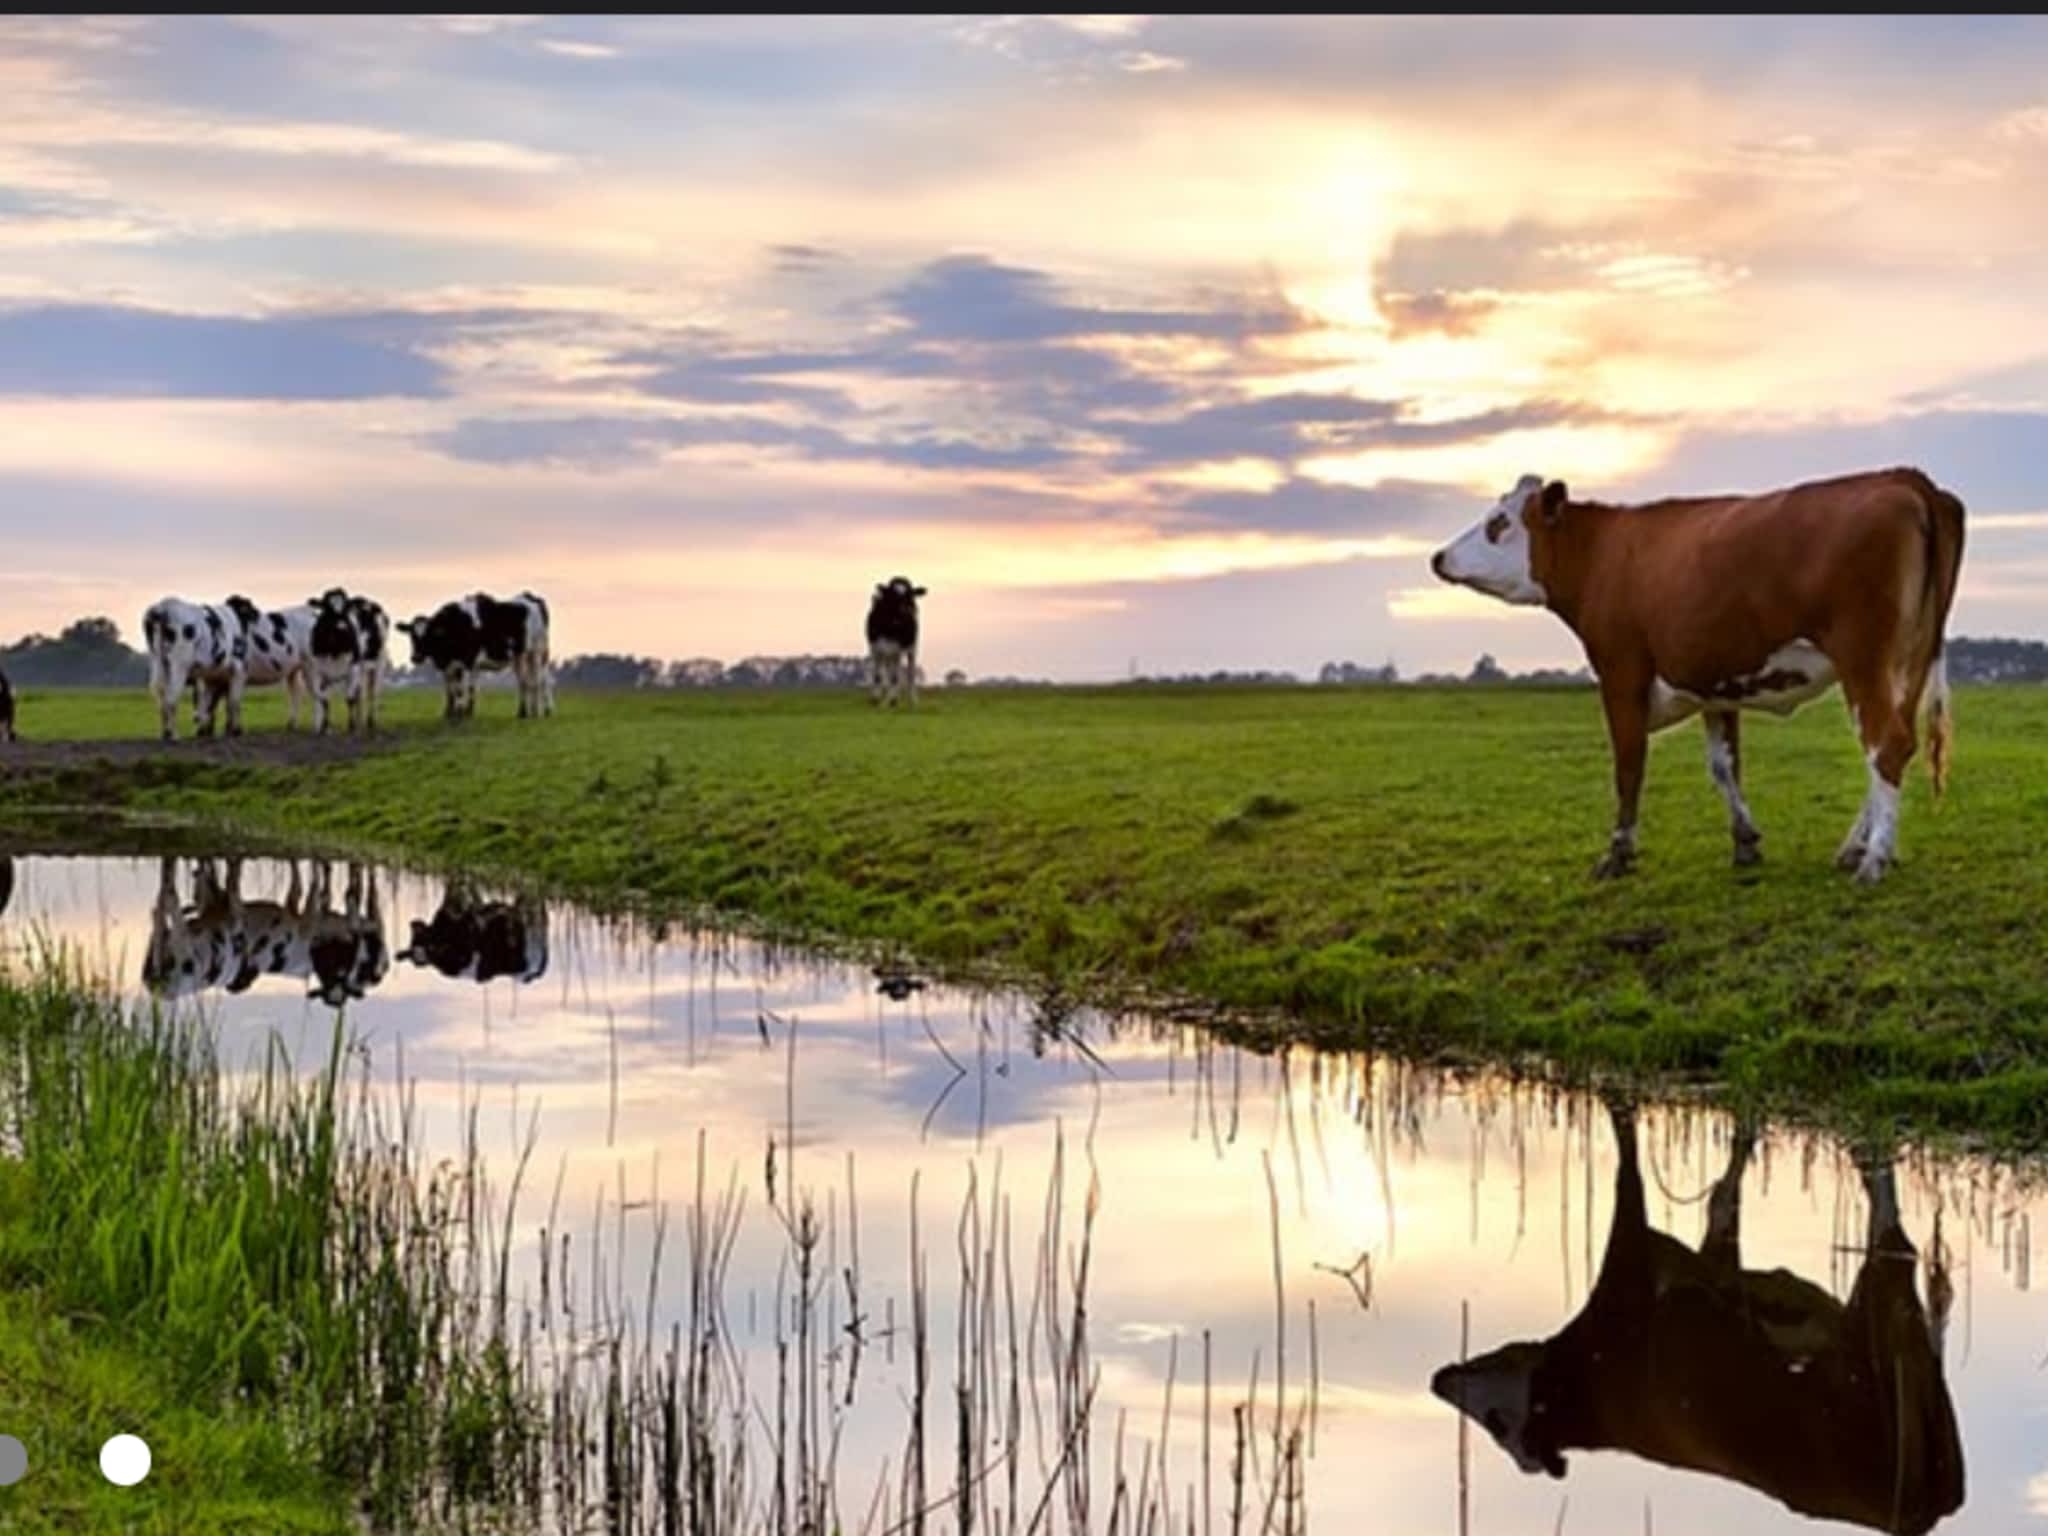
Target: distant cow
(221, 940)
(201, 644)
(1682, 1357)
(348, 642)
(6, 709)
(479, 633)
(892, 640)
(1713, 605)
(475, 940)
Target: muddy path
(272, 748)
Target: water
(1415, 1219)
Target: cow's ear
(1554, 498)
(918, 591)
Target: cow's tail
(156, 640)
(1944, 530)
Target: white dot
(124, 1460)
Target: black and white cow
(348, 641)
(892, 640)
(220, 940)
(275, 650)
(475, 940)
(373, 630)
(479, 633)
(201, 644)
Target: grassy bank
(1408, 865)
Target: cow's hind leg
(1885, 722)
(1724, 762)
(1723, 1242)
(237, 681)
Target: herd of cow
(338, 640)
(341, 641)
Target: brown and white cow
(1712, 605)
(1680, 1356)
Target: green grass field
(1402, 867)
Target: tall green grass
(268, 1241)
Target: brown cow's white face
(1495, 1391)
(1492, 556)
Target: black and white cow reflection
(470, 939)
(220, 939)
(1837, 1410)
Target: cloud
(1301, 505)
(972, 298)
(1992, 459)
(572, 48)
(715, 386)
(600, 443)
(1438, 311)
(798, 258)
(103, 350)
(1289, 427)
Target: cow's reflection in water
(220, 939)
(476, 940)
(1685, 1358)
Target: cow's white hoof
(1872, 869)
(1850, 857)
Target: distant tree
(1487, 670)
(1996, 660)
(605, 670)
(88, 654)
(956, 678)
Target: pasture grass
(1399, 867)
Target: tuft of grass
(1438, 899)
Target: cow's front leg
(1724, 762)
(171, 688)
(910, 674)
(1628, 729)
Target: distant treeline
(609, 670)
(91, 654)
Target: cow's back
(1711, 587)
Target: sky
(1172, 343)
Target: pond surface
(1671, 1327)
